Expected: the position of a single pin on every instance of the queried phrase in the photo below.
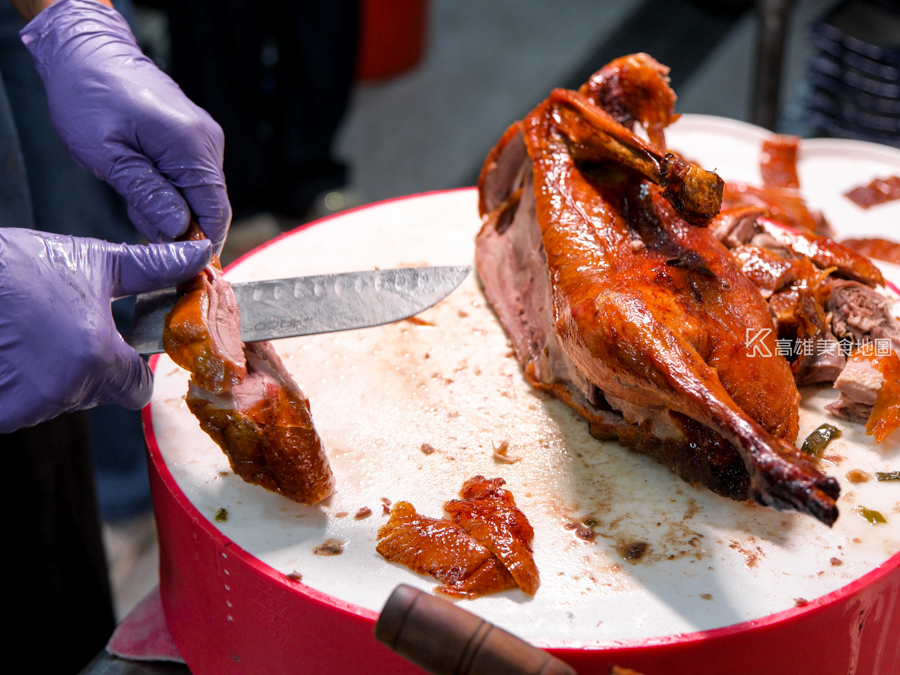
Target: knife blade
(307, 305)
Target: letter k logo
(756, 345)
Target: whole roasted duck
(618, 300)
(242, 395)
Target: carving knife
(308, 305)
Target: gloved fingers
(145, 227)
(190, 155)
(140, 269)
(126, 381)
(155, 205)
(211, 208)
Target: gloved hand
(59, 348)
(127, 122)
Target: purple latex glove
(59, 348)
(127, 122)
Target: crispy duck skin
(882, 249)
(885, 417)
(779, 196)
(444, 550)
(826, 253)
(242, 395)
(633, 89)
(768, 272)
(650, 310)
(778, 162)
(784, 206)
(488, 512)
(879, 191)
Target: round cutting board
(637, 567)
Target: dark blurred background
(413, 125)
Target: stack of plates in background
(855, 75)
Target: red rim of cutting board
(785, 616)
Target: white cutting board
(378, 394)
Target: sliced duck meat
(736, 226)
(203, 332)
(790, 310)
(768, 272)
(242, 395)
(848, 409)
(861, 314)
(264, 426)
(820, 361)
(796, 305)
(821, 293)
(825, 253)
(870, 391)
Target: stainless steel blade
(308, 305)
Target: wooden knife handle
(447, 640)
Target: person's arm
(59, 347)
(29, 9)
(126, 121)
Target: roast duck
(242, 394)
(620, 299)
(596, 253)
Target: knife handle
(445, 639)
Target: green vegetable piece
(872, 516)
(816, 442)
(221, 516)
(887, 475)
